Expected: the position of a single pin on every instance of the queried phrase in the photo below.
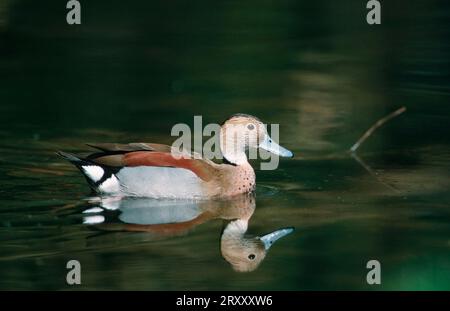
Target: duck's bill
(271, 238)
(269, 145)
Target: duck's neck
(235, 158)
(233, 152)
(235, 229)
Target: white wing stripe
(95, 173)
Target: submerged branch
(372, 173)
(375, 126)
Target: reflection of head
(245, 253)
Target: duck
(161, 219)
(162, 171)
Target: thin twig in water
(372, 173)
(375, 126)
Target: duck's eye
(250, 126)
(251, 256)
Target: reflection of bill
(169, 218)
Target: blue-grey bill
(271, 146)
(272, 237)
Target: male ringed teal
(161, 171)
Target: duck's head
(242, 131)
(245, 253)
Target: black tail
(77, 160)
(69, 157)
(84, 164)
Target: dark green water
(132, 71)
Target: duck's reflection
(245, 253)
(166, 218)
